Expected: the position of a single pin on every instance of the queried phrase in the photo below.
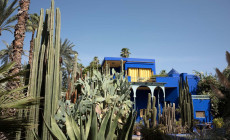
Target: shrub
(218, 122)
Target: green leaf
(93, 128)
(100, 99)
(101, 133)
(76, 129)
(69, 128)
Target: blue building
(142, 75)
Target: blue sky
(185, 35)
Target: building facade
(142, 76)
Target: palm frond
(228, 58)
(218, 93)
(12, 91)
(21, 103)
(6, 68)
(8, 10)
(9, 78)
(222, 79)
(32, 22)
(10, 20)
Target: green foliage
(218, 122)
(186, 104)
(105, 91)
(13, 98)
(66, 52)
(10, 101)
(125, 53)
(5, 54)
(150, 113)
(85, 126)
(224, 95)
(169, 118)
(163, 72)
(32, 22)
(6, 11)
(154, 133)
(94, 65)
(205, 87)
(100, 94)
(45, 72)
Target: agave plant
(86, 127)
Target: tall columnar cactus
(168, 117)
(122, 67)
(186, 104)
(45, 74)
(73, 78)
(150, 114)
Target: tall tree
(66, 52)
(95, 63)
(5, 13)
(31, 26)
(224, 79)
(125, 52)
(19, 34)
(163, 72)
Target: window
(140, 74)
(200, 114)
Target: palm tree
(31, 26)
(5, 13)
(66, 52)
(5, 53)
(95, 63)
(19, 34)
(125, 52)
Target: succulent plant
(150, 114)
(106, 90)
(186, 104)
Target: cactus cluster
(45, 73)
(149, 115)
(106, 90)
(168, 117)
(186, 104)
(86, 126)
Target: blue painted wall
(202, 105)
(170, 81)
(193, 81)
(172, 86)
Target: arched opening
(159, 95)
(142, 97)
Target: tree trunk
(31, 49)
(19, 34)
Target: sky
(185, 35)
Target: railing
(143, 79)
(200, 97)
